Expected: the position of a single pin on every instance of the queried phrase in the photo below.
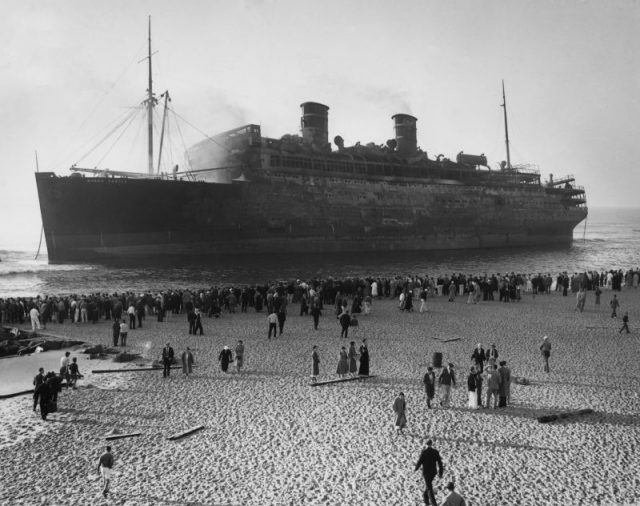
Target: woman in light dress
(471, 387)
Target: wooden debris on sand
(339, 380)
(566, 414)
(185, 433)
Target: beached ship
(248, 194)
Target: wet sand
(271, 439)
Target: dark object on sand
(437, 359)
(561, 416)
(185, 433)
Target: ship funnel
(405, 126)
(315, 124)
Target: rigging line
(110, 133)
(201, 132)
(118, 138)
(42, 226)
(184, 145)
(73, 153)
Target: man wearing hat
(453, 498)
(167, 360)
(431, 466)
(446, 380)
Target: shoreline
(270, 439)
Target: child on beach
(273, 324)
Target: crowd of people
(312, 295)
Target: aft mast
(150, 102)
(506, 128)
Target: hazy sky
(70, 68)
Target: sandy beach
(271, 439)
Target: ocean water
(610, 239)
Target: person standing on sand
(478, 356)
(34, 314)
(471, 388)
(478, 379)
(239, 356)
(74, 373)
(453, 498)
(545, 349)
(400, 409)
(105, 470)
(115, 332)
(167, 360)
(124, 329)
(225, 358)
(345, 321)
(315, 362)
(64, 366)
(343, 364)
(364, 359)
(625, 323)
(598, 293)
(431, 464)
(492, 356)
(38, 380)
(493, 386)
(505, 384)
(187, 362)
(272, 319)
(615, 304)
(315, 313)
(44, 392)
(446, 380)
(429, 381)
(353, 365)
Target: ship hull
(89, 219)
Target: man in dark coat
(505, 384)
(225, 358)
(478, 356)
(37, 381)
(43, 391)
(167, 360)
(430, 460)
(315, 359)
(429, 381)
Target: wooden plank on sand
(121, 436)
(446, 340)
(106, 371)
(566, 414)
(185, 433)
(339, 380)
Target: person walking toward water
(400, 408)
(105, 470)
(431, 464)
(625, 323)
(315, 364)
(545, 349)
(187, 362)
(74, 373)
(615, 304)
(239, 356)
